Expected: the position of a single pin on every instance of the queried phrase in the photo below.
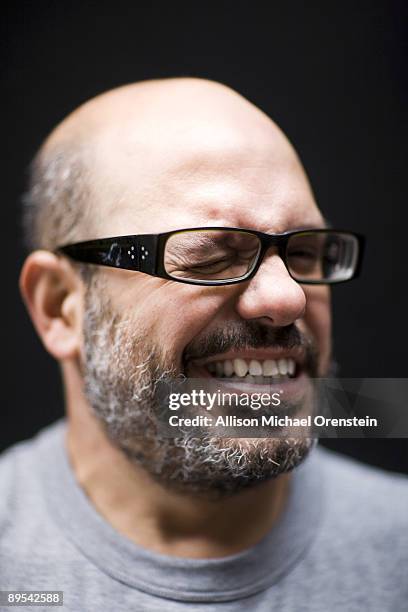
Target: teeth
(240, 367)
(270, 368)
(254, 370)
(228, 368)
(283, 366)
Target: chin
(219, 467)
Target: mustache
(246, 335)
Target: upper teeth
(242, 367)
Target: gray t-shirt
(341, 544)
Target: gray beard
(121, 372)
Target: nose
(272, 296)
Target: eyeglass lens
(209, 255)
(322, 256)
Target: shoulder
(360, 477)
(364, 499)
(19, 473)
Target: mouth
(250, 367)
(250, 372)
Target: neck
(159, 519)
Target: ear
(53, 294)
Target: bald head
(159, 110)
(141, 146)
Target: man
(103, 505)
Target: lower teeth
(257, 379)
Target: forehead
(225, 178)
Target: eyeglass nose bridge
(271, 240)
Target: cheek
(318, 321)
(168, 314)
(182, 313)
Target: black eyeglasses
(227, 255)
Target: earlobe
(52, 293)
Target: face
(139, 330)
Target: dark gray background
(332, 74)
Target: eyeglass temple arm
(136, 253)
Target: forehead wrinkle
(230, 154)
(210, 186)
(241, 171)
(226, 202)
(231, 197)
